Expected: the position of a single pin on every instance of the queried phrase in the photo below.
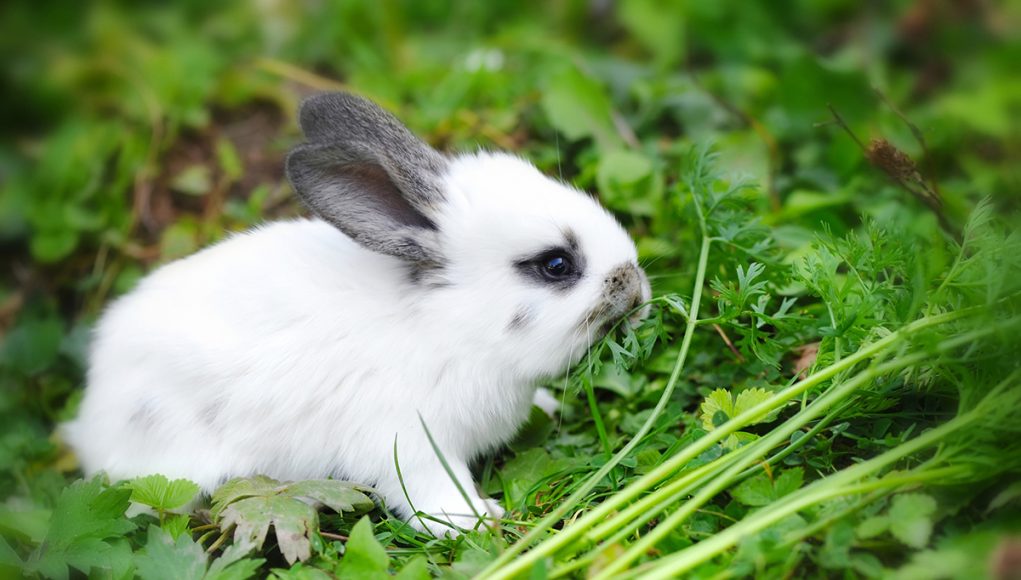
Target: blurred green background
(134, 133)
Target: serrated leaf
(165, 558)
(761, 490)
(176, 525)
(717, 401)
(755, 492)
(233, 565)
(364, 557)
(340, 496)
(111, 556)
(255, 504)
(161, 493)
(292, 520)
(911, 518)
(88, 510)
(788, 481)
(723, 401)
(749, 398)
(240, 488)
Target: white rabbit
(428, 286)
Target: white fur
(291, 351)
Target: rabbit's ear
(369, 176)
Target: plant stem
(597, 418)
(755, 451)
(647, 508)
(749, 455)
(835, 485)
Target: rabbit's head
(518, 265)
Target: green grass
(824, 195)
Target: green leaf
(227, 156)
(519, 475)
(577, 106)
(416, 569)
(836, 551)
(659, 25)
(33, 345)
(180, 239)
(625, 184)
(761, 490)
(717, 401)
(340, 496)
(954, 557)
(788, 481)
(292, 520)
(194, 180)
(255, 504)
(364, 556)
(722, 401)
(176, 525)
(159, 492)
(300, 572)
(872, 527)
(8, 557)
(623, 167)
(233, 565)
(165, 558)
(911, 518)
(53, 246)
(240, 488)
(756, 491)
(749, 398)
(87, 509)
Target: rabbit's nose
(625, 288)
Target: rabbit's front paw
(454, 522)
(546, 401)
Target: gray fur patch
(522, 318)
(440, 375)
(369, 176)
(210, 414)
(571, 238)
(144, 416)
(428, 275)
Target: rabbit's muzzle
(625, 290)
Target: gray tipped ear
(366, 174)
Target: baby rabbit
(427, 289)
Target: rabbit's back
(233, 360)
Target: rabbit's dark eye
(557, 266)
